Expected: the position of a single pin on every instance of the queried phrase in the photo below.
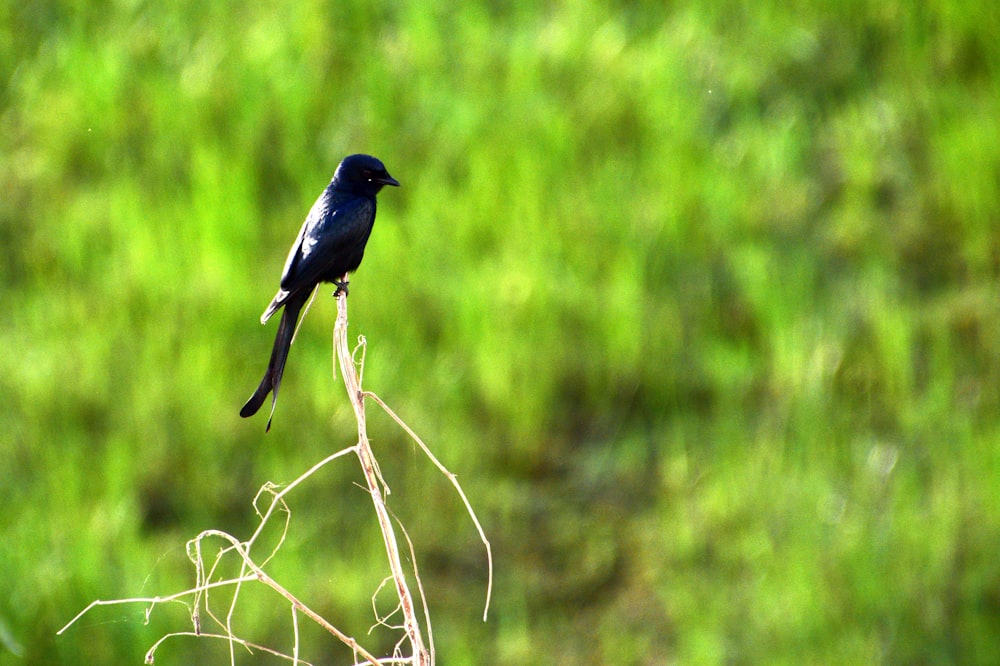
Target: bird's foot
(341, 287)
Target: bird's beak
(388, 180)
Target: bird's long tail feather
(276, 366)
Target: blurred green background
(699, 300)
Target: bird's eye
(368, 174)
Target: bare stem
(373, 479)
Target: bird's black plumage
(330, 245)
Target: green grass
(699, 302)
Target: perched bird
(330, 245)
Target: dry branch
(197, 598)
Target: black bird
(330, 245)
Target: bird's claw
(341, 288)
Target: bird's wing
(319, 210)
(326, 241)
(289, 279)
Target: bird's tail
(276, 366)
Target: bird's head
(362, 173)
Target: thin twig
(458, 488)
(259, 574)
(203, 586)
(250, 646)
(420, 586)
